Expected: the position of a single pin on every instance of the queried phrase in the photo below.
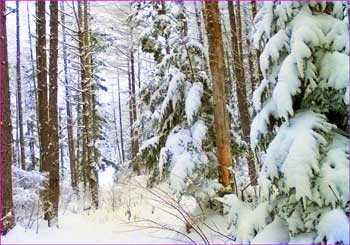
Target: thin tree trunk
(19, 89)
(35, 87)
(53, 114)
(71, 150)
(7, 217)
(131, 118)
(217, 67)
(139, 68)
(120, 121)
(240, 85)
(257, 51)
(117, 148)
(61, 143)
(30, 132)
(135, 138)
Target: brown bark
(217, 68)
(53, 148)
(82, 96)
(88, 107)
(19, 90)
(42, 86)
(135, 138)
(240, 85)
(7, 217)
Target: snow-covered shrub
(302, 113)
(26, 194)
(175, 109)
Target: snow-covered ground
(129, 214)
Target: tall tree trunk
(71, 150)
(81, 99)
(131, 118)
(135, 135)
(88, 109)
(117, 148)
(54, 149)
(249, 48)
(19, 89)
(241, 86)
(35, 88)
(257, 52)
(42, 86)
(61, 143)
(30, 132)
(120, 121)
(7, 217)
(217, 68)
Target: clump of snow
(274, 233)
(106, 178)
(261, 121)
(334, 69)
(258, 94)
(149, 143)
(183, 154)
(333, 228)
(272, 50)
(294, 152)
(338, 38)
(334, 181)
(304, 238)
(176, 80)
(245, 222)
(193, 101)
(198, 132)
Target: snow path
(98, 228)
(111, 225)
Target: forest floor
(129, 213)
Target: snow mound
(333, 228)
(274, 233)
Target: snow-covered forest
(175, 122)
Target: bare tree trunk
(19, 89)
(217, 68)
(30, 132)
(7, 217)
(240, 85)
(120, 121)
(131, 118)
(54, 149)
(81, 99)
(35, 88)
(72, 158)
(135, 137)
(117, 148)
(42, 86)
(61, 143)
(88, 109)
(257, 52)
(249, 48)
(199, 19)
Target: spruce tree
(302, 116)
